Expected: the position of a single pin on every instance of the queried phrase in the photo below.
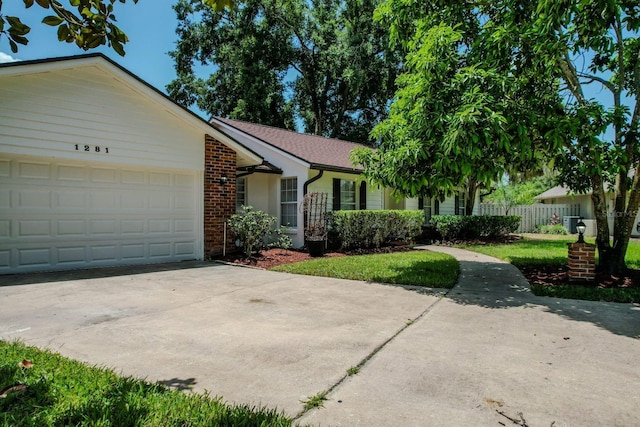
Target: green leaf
(117, 47)
(53, 21)
(42, 3)
(17, 26)
(63, 32)
(19, 39)
(27, 4)
(14, 47)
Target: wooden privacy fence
(532, 215)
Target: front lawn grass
(529, 250)
(542, 250)
(419, 268)
(57, 391)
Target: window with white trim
(241, 193)
(289, 202)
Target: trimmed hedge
(368, 229)
(453, 227)
(551, 229)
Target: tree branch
(571, 77)
(603, 82)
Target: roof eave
(331, 168)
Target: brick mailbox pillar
(582, 262)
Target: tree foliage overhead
(457, 120)
(505, 80)
(324, 62)
(92, 25)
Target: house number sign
(92, 148)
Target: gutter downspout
(305, 187)
(305, 190)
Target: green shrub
(551, 229)
(367, 229)
(256, 231)
(454, 227)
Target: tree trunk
(472, 188)
(625, 216)
(605, 251)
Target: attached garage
(97, 168)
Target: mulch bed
(274, 257)
(551, 275)
(547, 275)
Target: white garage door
(57, 215)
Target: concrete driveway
(489, 353)
(248, 335)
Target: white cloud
(6, 58)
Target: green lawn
(543, 249)
(419, 268)
(57, 391)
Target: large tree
(326, 62)
(594, 47)
(569, 50)
(457, 120)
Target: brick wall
(219, 199)
(582, 262)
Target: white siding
(375, 197)
(53, 114)
(447, 207)
(258, 194)
(411, 204)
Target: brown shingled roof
(320, 152)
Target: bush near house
(369, 229)
(454, 227)
(551, 229)
(256, 230)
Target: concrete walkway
(488, 353)
(491, 353)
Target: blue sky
(150, 25)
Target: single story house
(563, 195)
(99, 168)
(296, 164)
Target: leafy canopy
(325, 63)
(457, 119)
(515, 80)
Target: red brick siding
(582, 261)
(219, 199)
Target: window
(289, 202)
(459, 204)
(344, 195)
(241, 193)
(426, 207)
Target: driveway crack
(369, 356)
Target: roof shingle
(320, 152)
